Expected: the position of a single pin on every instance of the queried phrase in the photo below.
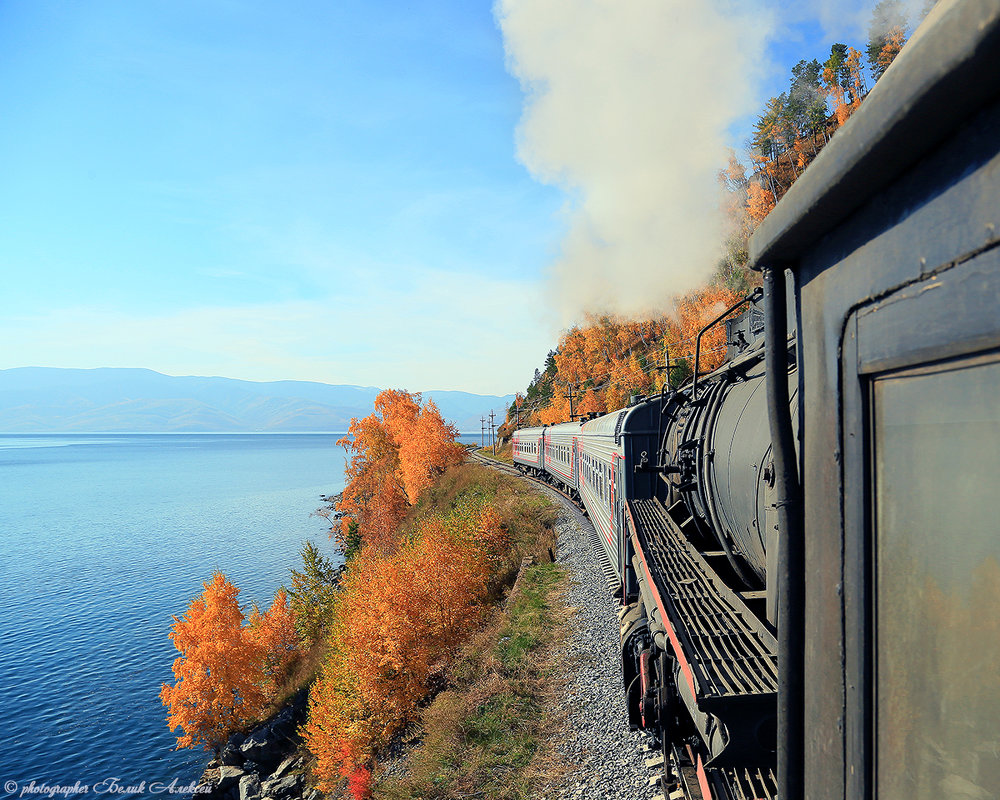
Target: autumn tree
(227, 671)
(374, 497)
(395, 453)
(400, 617)
(886, 35)
(855, 69)
(275, 634)
(694, 312)
(736, 190)
(558, 408)
(759, 202)
(426, 450)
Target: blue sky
(310, 190)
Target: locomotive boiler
(679, 488)
(803, 542)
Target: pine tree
(886, 35)
(313, 593)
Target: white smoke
(627, 107)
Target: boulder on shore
(228, 778)
(264, 763)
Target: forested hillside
(600, 362)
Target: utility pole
(667, 366)
(517, 414)
(493, 441)
(569, 392)
(482, 433)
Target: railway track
(651, 757)
(502, 467)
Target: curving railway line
(803, 543)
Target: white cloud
(627, 107)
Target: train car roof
(565, 427)
(535, 431)
(948, 70)
(634, 419)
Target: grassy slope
(486, 733)
(504, 453)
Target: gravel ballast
(603, 755)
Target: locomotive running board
(604, 561)
(726, 658)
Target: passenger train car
(804, 542)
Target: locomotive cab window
(936, 556)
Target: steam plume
(627, 107)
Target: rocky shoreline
(267, 763)
(604, 759)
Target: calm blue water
(102, 539)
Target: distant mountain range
(49, 400)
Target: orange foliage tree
(426, 450)
(607, 359)
(558, 408)
(395, 453)
(694, 312)
(400, 617)
(275, 634)
(760, 201)
(227, 671)
(604, 361)
(894, 42)
(855, 69)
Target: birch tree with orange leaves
(227, 671)
(886, 35)
(275, 634)
(395, 453)
(374, 497)
(400, 617)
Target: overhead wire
(539, 404)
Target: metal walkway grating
(746, 784)
(603, 559)
(729, 656)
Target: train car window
(936, 547)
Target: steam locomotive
(804, 542)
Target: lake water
(102, 539)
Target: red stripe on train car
(671, 633)
(560, 472)
(706, 790)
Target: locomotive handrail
(791, 593)
(753, 297)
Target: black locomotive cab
(889, 245)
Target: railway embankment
(532, 707)
(601, 756)
(593, 752)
